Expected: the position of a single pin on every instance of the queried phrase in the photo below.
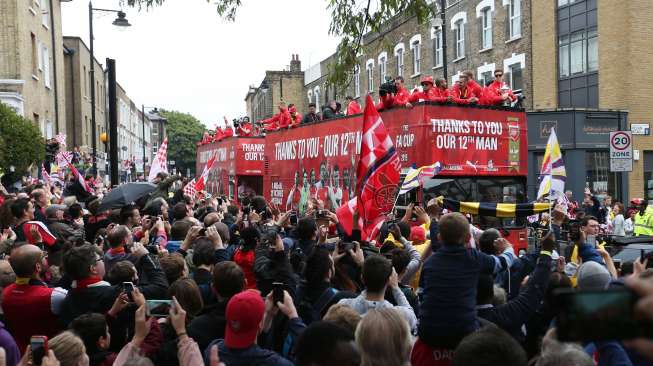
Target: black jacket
(209, 326)
(513, 314)
(272, 267)
(100, 297)
(311, 117)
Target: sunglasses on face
(498, 75)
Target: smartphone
(344, 247)
(595, 315)
(158, 308)
(277, 292)
(591, 240)
(202, 232)
(293, 218)
(219, 201)
(39, 348)
(321, 214)
(128, 288)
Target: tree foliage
(351, 20)
(21, 143)
(183, 131)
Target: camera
(388, 87)
(236, 122)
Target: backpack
(310, 312)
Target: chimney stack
(295, 64)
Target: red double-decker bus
(482, 153)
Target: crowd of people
(615, 218)
(203, 281)
(392, 94)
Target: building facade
(286, 85)
(481, 36)
(78, 81)
(31, 62)
(596, 57)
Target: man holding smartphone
(586, 246)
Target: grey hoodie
(362, 306)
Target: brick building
(31, 62)
(286, 85)
(481, 36)
(78, 99)
(593, 74)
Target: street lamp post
(121, 21)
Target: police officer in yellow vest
(643, 219)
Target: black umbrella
(125, 194)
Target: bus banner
(319, 160)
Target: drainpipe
(54, 68)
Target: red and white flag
(201, 182)
(160, 163)
(45, 175)
(80, 178)
(345, 214)
(46, 236)
(63, 157)
(189, 189)
(378, 173)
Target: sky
(183, 56)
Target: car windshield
(632, 253)
(475, 189)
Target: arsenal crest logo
(513, 131)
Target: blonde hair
(383, 338)
(344, 316)
(68, 348)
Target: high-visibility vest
(643, 224)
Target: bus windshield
(480, 189)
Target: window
(370, 75)
(35, 58)
(399, 53)
(514, 76)
(592, 51)
(486, 77)
(155, 129)
(48, 129)
(357, 81)
(563, 56)
(597, 173)
(84, 76)
(383, 63)
(309, 95)
(514, 14)
(45, 54)
(316, 92)
(486, 28)
(578, 53)
(437, 47)
(459, 34)
(45, 13)
(417, 57)
(648, 175)
(565, 2)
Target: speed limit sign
(621, 151)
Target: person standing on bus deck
(473, 85)
(462, 93)
(279, 120)
(402, 95)
(442, 91)
(352, 106)
(312, 115)
(427, 92)
(245, 128)
(295, 117)
(498, 92)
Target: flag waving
(415, 176)
(46, 177)
(189, 189)
(80, 178)
(201, 182)
(378, 173)
(160, 163)
(553, 173)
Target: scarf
(86, 282)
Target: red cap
(244, 314)
(417, 233)
(427, 79)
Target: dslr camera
(388, 87)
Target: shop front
(584, 140)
